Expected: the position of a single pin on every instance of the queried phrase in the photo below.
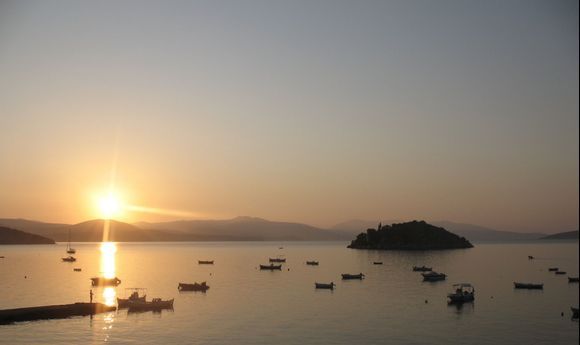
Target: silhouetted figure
(91, 295)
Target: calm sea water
(247, 306)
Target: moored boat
(530, 257)
(422, 269)
(205, 262)
(277, 260)
(69, 258)
(560, 272)
(100, 281)
(348, 276)
(553, 269)
(329, 286)
(574, 312)
(77, 269)
(433, 276)
(154, 304)
(69, 249)
(377, 262)
(271, 267)
(134, 297)
(529, 286)
(203, 287)
(312, 263)
(463, 292)
(573, 279)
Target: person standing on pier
(91, 295)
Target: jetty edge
(62, 311)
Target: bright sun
(110, 206)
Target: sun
(110, 206)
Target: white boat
(463, 292)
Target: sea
(246, 305)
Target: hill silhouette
(568, 235)
(12, 236)
(415, 235)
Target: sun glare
(110, 206)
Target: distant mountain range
(239, 229)
(12, 236)
(568, 235)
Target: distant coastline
(13, 236)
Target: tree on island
(415, 235)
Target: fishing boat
(203, 287)
(312, 263)
(271, 267)
(77, 269)
(348, 276)
(553, 269)
(422, 269)
(277, 260)
(463, 292)
(134, 297)
(69, 249)
(573, 279)
(154, 304)
(433, 276)
(560, 272)
(69, 258)
(100, 281)
(529, 286)
(329, 286)
(205, 262)
(377, 262)
(574, 312)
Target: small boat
(560, 272)
(433, 276)
(203, 287)
(329, 286)
(205, 262)
(312, 263)
(574, 312)
(573, 279)
(529, 286)
(134, 297)
(462, 293)
(69, 249)
(271, 267)
(422, 269)
(553, 269)
(377, 262)
(277, 260)
(154, 304)
(69, 258)
(530, 257)
(77, 269)
(347, 276)
(99, 281)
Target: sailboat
(69, 249)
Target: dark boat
(529, 286)
(530, 257)
(203, 287)
(560, 272)
(99, 281)
(377, 262)
(462, 293)
(312, 263)
(553, 269)
(271, 267)
(277, 260)
(574, 312)
(348, 276)
(154, 304)
(69, 249)
(329, 286)
(69, 259)
(572, 279)
(77, 269)
(422, 269)
(433, 276)
(205, 262)
(134, 297)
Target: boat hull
(271, 267)
(192, 287)
(528, 286)
(105, 281)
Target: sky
(307, 111)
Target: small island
(415, 235)
(12, 236)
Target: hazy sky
(309, 111)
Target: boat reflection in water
(108, 270)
